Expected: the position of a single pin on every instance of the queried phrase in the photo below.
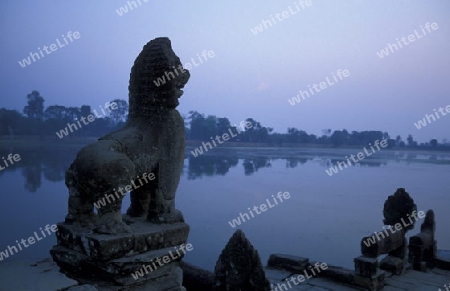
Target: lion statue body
(151, 142)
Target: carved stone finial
(398, 207)
(239, 267)
(429, 224)
(423, 246)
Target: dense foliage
(41, 121)
(201, 128)
(36, 120)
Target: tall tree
(11, 122)
(297, 136)
(35, 107)
(119, 114)
(73, 114)
(411, 142)
(210, 127)
(398, 139)
(197, 125)
(55, 112)
(85, 110)
(256, 133)
(434, 143)
(223, 124)
(339, 138)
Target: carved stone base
(148, 258)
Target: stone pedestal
(423, 246)
(148, 258)
(397, 260)
(373, 283)
(367, 273)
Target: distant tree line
(201, 128)
(41, 121)
(38, 120)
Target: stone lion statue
(151, 142)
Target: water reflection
(51, 163)
(372, 163)
(252, 165)
(32, 175)
(208, 165)
(295, 162)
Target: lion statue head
(156, 78)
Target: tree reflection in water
(51, 162)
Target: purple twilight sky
(252, 74)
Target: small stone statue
(397, 207)
(239, 267)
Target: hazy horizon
(251, 75)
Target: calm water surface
(324, 219)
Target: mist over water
(324, 219)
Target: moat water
(324, 217)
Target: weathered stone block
(373, 283)
(423, 239)
(337, 274)
(382, 243)
(150, 265)
(68, 259)
(288, 262)
(420, 266)
(365, 266)
(145, 237)
(394, 265)
(400, 252)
